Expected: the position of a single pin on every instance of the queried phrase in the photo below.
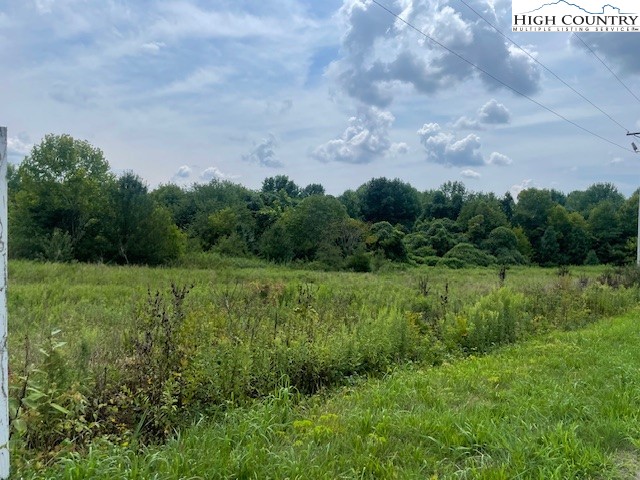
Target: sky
(334, 92)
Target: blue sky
(331, 92)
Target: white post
(4, 354)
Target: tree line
(66, 204)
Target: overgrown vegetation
(555, 408)
(65, 204)
(132, 355)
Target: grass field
(563, 406)
(248, 340)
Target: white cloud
(381, 54)
(153, 47)
(499, 159)
(493, 112)
(19, 147)
(516, 189)
(444, 148)
(184, 172)
(468, 173)
(214, 172)
(264, 154)
(365, 139)
(466, 123)
(398, 149)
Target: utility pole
(4, 354)
(635, 149)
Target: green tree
(606, 229)
(393, 201)
(585, 201)
(447, 202)
(387, 239)
(549, 253)
(351, 201)
(64, 185)
(508, 205)
(572, 235)
(143, 232)
(313, 222)
(502, 243)
(479, 216)
(203, 200)
(279, 192)
(174, 199)
(532, 213)
(312, 189)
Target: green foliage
(480, 216)
(470, 255)
(605, 227)
(61, 186)
(276, 244)
(584, 201)
(388, 240)
(531, 213)
(48, 412)
(447, 202)
(556, 407)
(65, 204)
(392, 201)
(502, 243)
(592, 258)
(247, 333)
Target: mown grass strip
(565, 406)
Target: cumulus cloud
(444, 148)
(499, 159)
(264, 154)
(184, 172)
(365, 139)
(381, 53)
(491, 113)
(468, 173)
(210, 173)
(494, 113)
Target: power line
(513, 89)
(544, 66)
(606, 66)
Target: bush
(359, 262)
(470, 255)
(451, 262)
(498, 318)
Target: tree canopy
(65, 204)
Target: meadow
(125, 372)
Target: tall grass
(559, 407)
(140, 353)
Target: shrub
(470, 255)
